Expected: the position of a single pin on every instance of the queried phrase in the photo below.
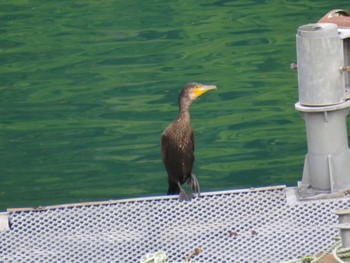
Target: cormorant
(177, 143)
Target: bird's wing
(163, 146)
(192, 140)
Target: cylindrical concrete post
(327, 160)
(320, 57)
(323, 106)
(344, 226)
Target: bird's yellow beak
(200, 89)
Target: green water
(87, 87)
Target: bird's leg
(173, 188)
(194, 184)
(183, 195)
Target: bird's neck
(184, 117)
(184, 113)
(184, 105)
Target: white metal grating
(256, 225)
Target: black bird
(177, 143)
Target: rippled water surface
(88, 86)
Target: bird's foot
(185, 196)
(194, 184)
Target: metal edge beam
(139, 199)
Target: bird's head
(192, 91)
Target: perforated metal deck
(257, 225)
